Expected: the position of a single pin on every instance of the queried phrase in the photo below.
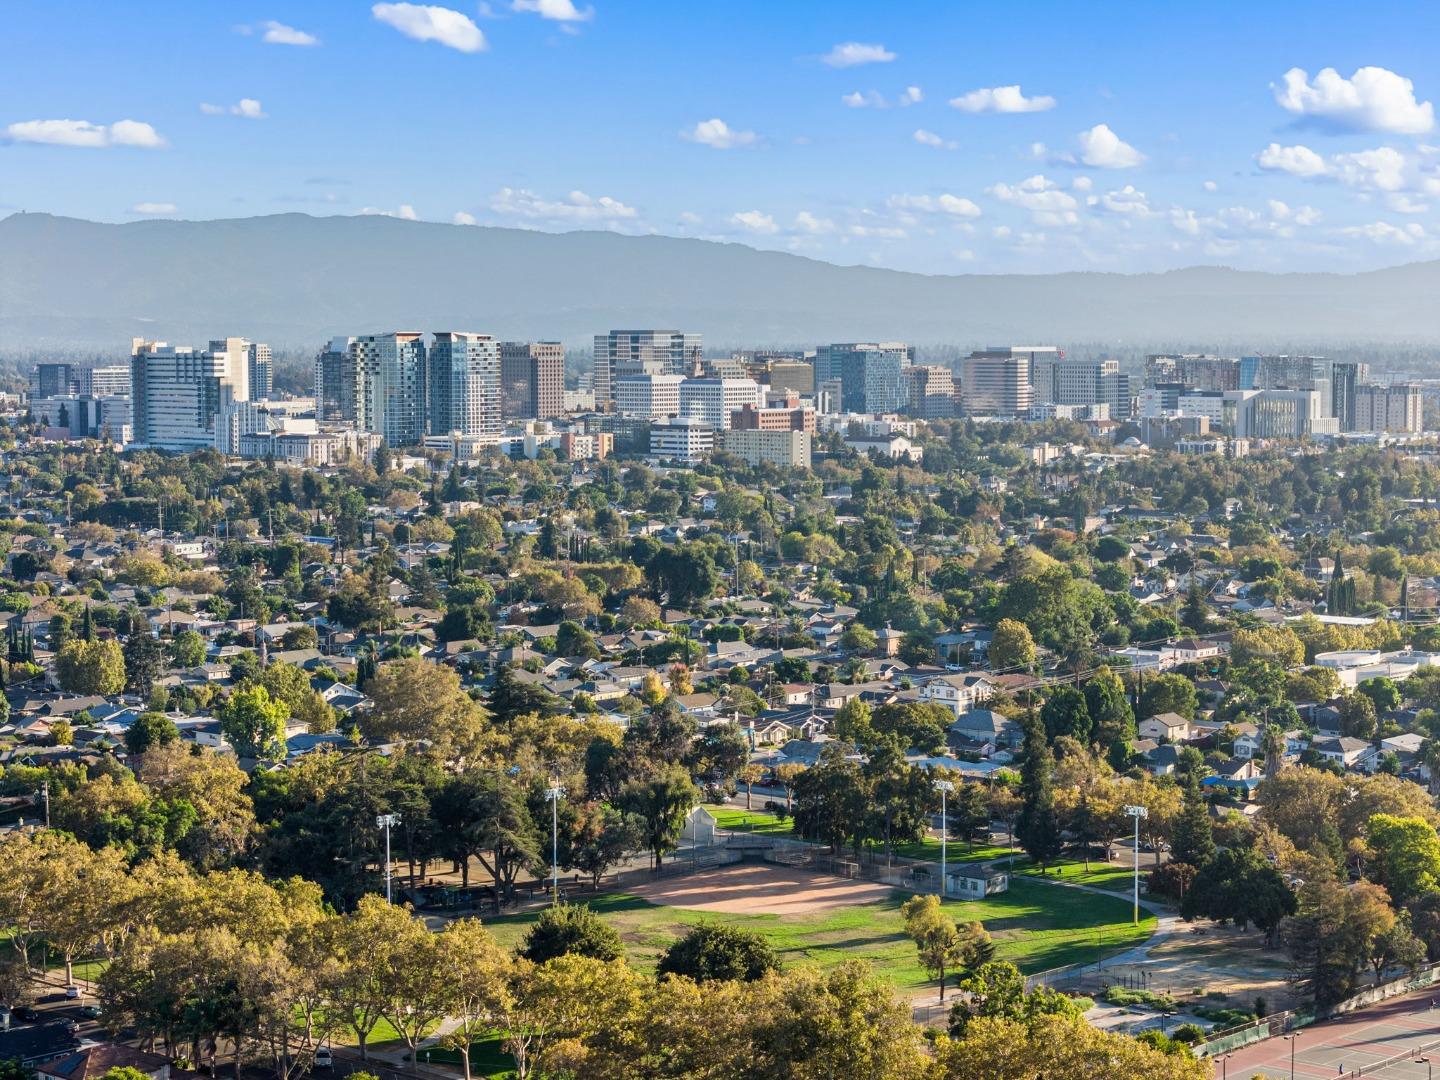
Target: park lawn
(738, 819)
(1113, 877)
(1035, 926)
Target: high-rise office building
(1346, 376)
(532, 379)
(390, 395)
(335, 381)
(930, 391)
(176, 392)
(463, 384)
(1399, 409)
(1195, 370)
(640, 352)
(996, 381)
(651, 396)
(107, 380)
(50, 380)
(262, 370)
(1055, 379)
(714, 400)
(871, 374)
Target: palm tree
(1272, 742)
(1430, 755)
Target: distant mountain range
(295, 280)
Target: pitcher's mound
(760, 889)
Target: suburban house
(1342, 748)
(975, 881)
(1165, 726)
(984, 726)
(958, 693)
(1192, 650)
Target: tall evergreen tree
(1038, 827)
(1194, 841)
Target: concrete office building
(1284, 414)
(638, 352)
(262, 370)
(335, 381)
(1398, 409)
(1346, 377)
(996, 381)
(1196, 370)
(1056, 379)
(791, 416)
(930, 391)
(107, 380)
(682, 439)
(463, 384)
(787, 449)
(796, 375)
(714, 400)
(176, 392)
(50, 380)
(651, 396)
(532, 380)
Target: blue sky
(936, 137)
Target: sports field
(816, 919)
(1377, 1043)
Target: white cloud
(756, 222)
(954, 205)
(1184, 221)
(689, 217)
(249, 108)
(873, 99)
(1382, 232)
(1048, 205)
(1295, 160)
(1002, 99)
(85, 134)
(577, 206)
(404, 211)
(1210, 185)
(1127, 201)
(153, 208)
(719, 135)
(929, 138)
(1404, 204)
(1382, 168)
(807, 222)
(853, 53)
(426, 22)
(555, 10)
(1373, 99)
(277, 33)
(1082, 183)
(463, 218)
(1101, 148)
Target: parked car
(72, 993)
(25, 1014)
(90, 1012)
(324, 1059)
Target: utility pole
(386, 821)
(945, 787)
(1137, 812)
(553, 794)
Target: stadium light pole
(1291, 1039)
(1429, 1067)
(386, 821)
(1137, 812)
(553, 794)
(944, 787)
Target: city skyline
(939, 142)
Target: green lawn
(1035, 926)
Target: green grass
(1034, 926)
(1110, 877)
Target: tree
(720, 755)
(943, 946)
(830, 799)
(996, 989)
(1238, 885)
(858, 638)
(565, 929)
(715, 952)
(144, 658)
(417, 701)
(187, 649)
(1194, 840)
(1066, 713)
(1038, 825)
(661, 804)
(1057, 1047)
(1012, 648)
(254, 723)
(1169, 693)
(1267, 644)
(1382, 692)
(1194, 614)
(483, 814)
(91, 667)
(1406, 855)
(477, 972)
(150, 729)
(1357, 716)
(1112, 719)
(603, 837)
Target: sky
(948, 138)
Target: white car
(324, 1059)
(72, 993)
